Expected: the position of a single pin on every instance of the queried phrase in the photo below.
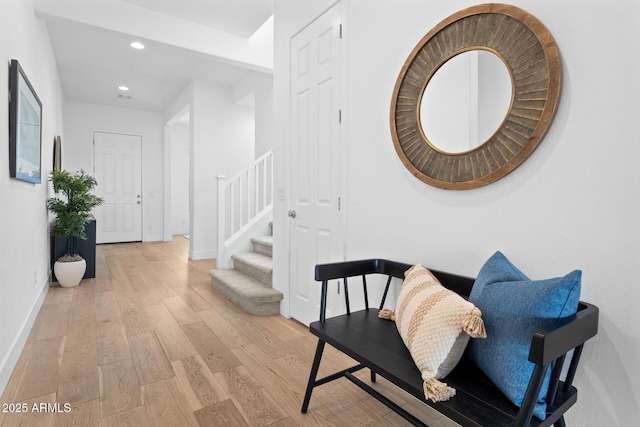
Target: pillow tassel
(437, 391)
(387, 314)
(473, 324)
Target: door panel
(315, 233)
(117, 160)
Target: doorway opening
(177, 166)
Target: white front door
(315, 232)
(117, 160)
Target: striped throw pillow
(435, 324)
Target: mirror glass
(466, 101)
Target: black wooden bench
(375, 344)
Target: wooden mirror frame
(531, 55)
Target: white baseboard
(11, 358)
(196, 255)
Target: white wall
(260, 87)
(180, 179)
(82, 119)
(574, 204)
(24, 251)
(264, 125)
(221, 143)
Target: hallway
(148, 342)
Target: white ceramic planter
(69, 274)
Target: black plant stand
(86, 248)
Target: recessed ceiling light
(123, 88)
(137, 45)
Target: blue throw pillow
(513, 309)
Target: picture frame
(57, 153)
(25, 127)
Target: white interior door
(117, 163)
(315, 232)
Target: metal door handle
(292, 214)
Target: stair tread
(265, 240)
(258, 260)
(246, 287)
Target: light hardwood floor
(149, 343)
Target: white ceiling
(241, 17)
(94, 59)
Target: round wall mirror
(466, 101)
(523, 46)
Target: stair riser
(260, 306)
(263, 249)
(265, 277)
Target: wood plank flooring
(148, 342)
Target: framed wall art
(57, 153)
(25, 127)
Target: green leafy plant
(72, 211)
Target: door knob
(292, 214)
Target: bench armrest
(568, 333)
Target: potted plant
(72, 213)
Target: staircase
(249, 284)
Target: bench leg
(312, 376)
(560, 422)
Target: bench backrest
(344, 270)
